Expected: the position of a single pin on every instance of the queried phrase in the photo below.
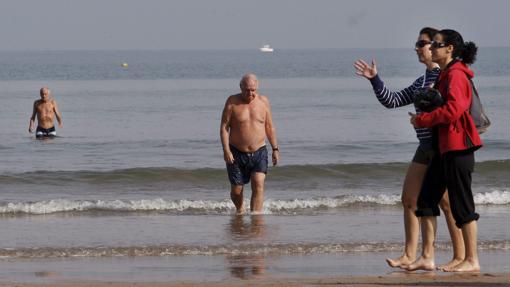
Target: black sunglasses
(421, 43)
(436, 45)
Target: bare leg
(257, 191)
(470, 263)
(236, 194)
(428, 231)
(411, 190)
(455, 234)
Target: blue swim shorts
(245, 163)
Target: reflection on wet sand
(247, 265)
(45, 273)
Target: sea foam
(271, 206)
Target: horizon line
(210, 49)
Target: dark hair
(430, 32)
(464, 51)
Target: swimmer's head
(44, 93)
(249, 85)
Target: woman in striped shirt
(424, 153)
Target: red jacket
(456, 128)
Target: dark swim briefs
(40, 132)
(245, 163)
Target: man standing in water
(245, 124)
(45, 108)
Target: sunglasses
(421, 43)
(436, 45)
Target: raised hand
(365, 70)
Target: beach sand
(343, 269)
(396, 279)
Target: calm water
(137, 169)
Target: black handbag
(428, 99)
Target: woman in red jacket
(457, 140)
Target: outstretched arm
(58, 115)
(271, 134)
(31, 124)
(393, 99)
(224, 133)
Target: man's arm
(271, 133)
(224, 132)
(31, 124)
(57, 114)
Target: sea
(135, 185)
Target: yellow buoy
(124, 65)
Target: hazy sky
(240, 24)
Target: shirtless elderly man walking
(44, 109)
(245, 124)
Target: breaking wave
(271, 206)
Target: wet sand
(395, 279)
(343, 269)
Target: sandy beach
(395, 279)
(347, 269)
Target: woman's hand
(412, 120)
(365, 70)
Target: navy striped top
(405, 97)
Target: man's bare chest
(45, 108)
(249, 114)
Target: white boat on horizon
(266, 48)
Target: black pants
(453, 171)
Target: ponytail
(464, 51)
(468, 55)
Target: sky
(242, 24)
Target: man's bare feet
(464, 266)
(241, 211)
(422, 264)
(452, 263)
(399, 262)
